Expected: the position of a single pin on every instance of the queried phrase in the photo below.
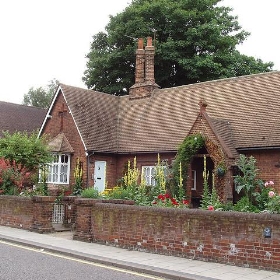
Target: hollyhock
(268, 183)
(271, 194)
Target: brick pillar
(83, 219)
(42, 214)
(70, 211)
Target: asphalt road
(22, 263)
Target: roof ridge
(222, 80)
(85, 89)
(23, 105)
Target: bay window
(59, 169)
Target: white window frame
(59, 170)
(148, 174)
(193, 180)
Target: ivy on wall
(187, 150)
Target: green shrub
(244, 205)
(119, 193)
(90, 193)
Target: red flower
(161, 196)
(175, 202)
(185, 202)
(211, 207)
(167, 195)
(154, 202)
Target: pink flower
(271, 194)
(268, 183)
(211, 207)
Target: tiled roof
(15, 117)
(244, 110)
(95, 115)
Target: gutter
(258, 148)
(88, 154)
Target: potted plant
(221, 170)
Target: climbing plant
(186, 152)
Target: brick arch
(218, 157)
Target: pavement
(165, 267)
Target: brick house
(235, 115)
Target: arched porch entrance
(211, 157)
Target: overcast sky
(46, 39)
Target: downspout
(88, 154)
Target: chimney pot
(202, 105)
(140, 44)
(149, 41)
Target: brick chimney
(144, 70)
(150, 61)
(140, 63)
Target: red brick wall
(16, 211)
(225, 237)
(34, 213)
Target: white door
(100, 175)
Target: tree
(22, 154)
(195, 41)
(40, 97)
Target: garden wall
(16, 211)
(225, 237)
(33, 213)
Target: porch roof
(60, 144)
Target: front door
(100, 175)
(197, 178)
